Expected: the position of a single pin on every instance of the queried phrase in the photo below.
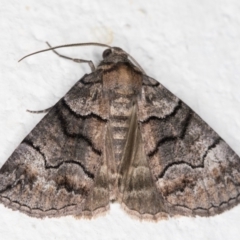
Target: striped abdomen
(120, 112)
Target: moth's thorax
(122, 78)
(119, 74)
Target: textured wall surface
(190, 46)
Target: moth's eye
(106, 53)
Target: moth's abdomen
(120, 111)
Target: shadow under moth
(119, 135)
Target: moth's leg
(90, 63)
(40, 111)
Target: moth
(119, 135)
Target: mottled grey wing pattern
(194, 170)
(119, 135)
(53, 171)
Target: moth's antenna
(81, 44)
(67, 45)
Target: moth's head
(114, 52)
